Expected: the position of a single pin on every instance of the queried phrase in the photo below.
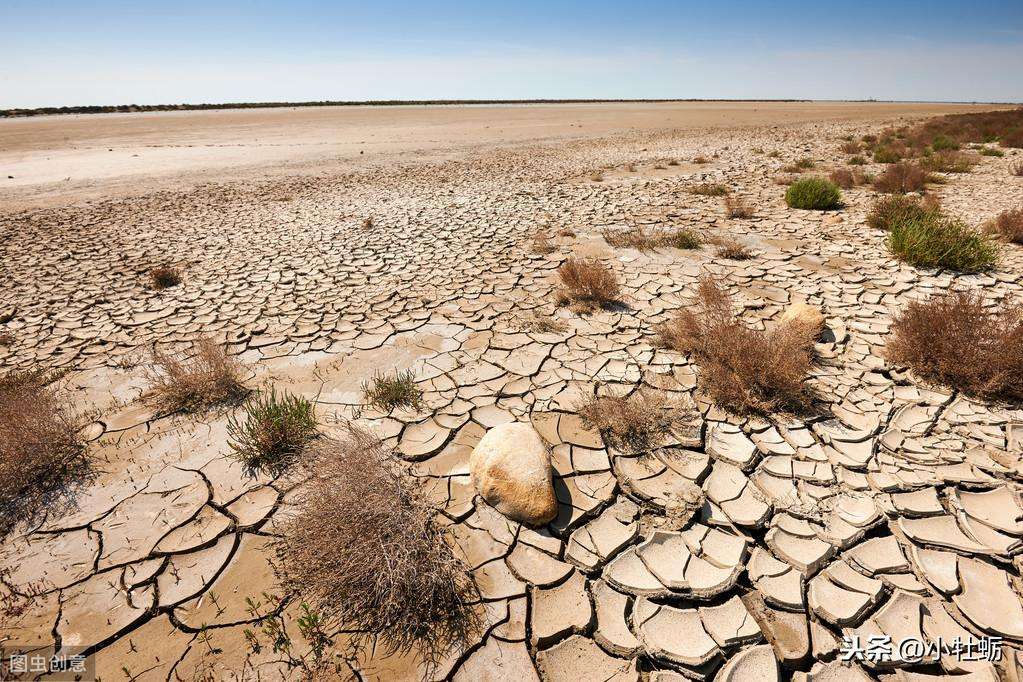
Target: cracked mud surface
(897, 511)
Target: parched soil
(735, 545)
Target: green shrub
(856, 160)
(943, 142)
(935, 240)
(886, 155)
(813, 193)
(898, 208)
(991, 151)
(274, 429)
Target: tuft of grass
(943, 143)
(856, 161)
(389, 392)
(636, 422)
(732, 249)
(737, 207)
(271, 432)
(991, 151)
(709, 189)
(364, 549)
(799, 166)
(204, 379)
(851, 147)
(164, 277)
(43, 458)
(638, 238)
(900, 178)
(1008, 225)
(898, 207)
(953, 339)
(587, 283)
(815, 194)
(744, 370)
(935, 240)
(542, 245)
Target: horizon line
(20, 112)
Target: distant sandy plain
(52, 160)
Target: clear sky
(72, 52)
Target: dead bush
(587, 283)
(542, 245)
(198, 381)
(954, 340)
(851, 147)
(709, 189)
(1017, 169)
(900, 178)
(897, 208)
(737, 207)
(636, 422)
(43, 458)
(732, 249)
(744, 370)
(364, 549)
(367, 223)
(843, 178)
(1008, 225)
(164, 277)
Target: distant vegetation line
(128, 108)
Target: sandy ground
(738, 549)
(53, 159)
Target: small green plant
(272, 431)
(389, 392)
(941, 142)
(709, 189)
(991, 151)
(815, 194)
(934, 240)
(857, 161)
(886, 155)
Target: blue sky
(61, 52)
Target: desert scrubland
(567, 392)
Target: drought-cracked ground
(738, 542)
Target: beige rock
(511, 470)
(804, 315)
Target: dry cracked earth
(740, 549)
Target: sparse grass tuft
(587, 283)
(900, 178)
(389, 392)
(198, 382)
(744, 370)
(272, 431)
(991, 151)
(856, 161)
(542, 245)
(709, 189)
(732, 249)
(954, 340)
(364, 549)
(636, 422)
(737, 207)
(42, 455)
(886, 155)
(799, 166)
(843, 178)
(815, 194)
(164, 277)
(935, 240)
(949, 162)
(851, 147)
(1008, 225)
(638, 238)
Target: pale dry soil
(739, 549)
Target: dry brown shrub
(587, 283)
(843, 178)
(1009, 225)
(639, 238)
(1017, 169)
(367, 223)
(43, 458)
(542, 245)
(900, 178)
(6, 338)
(953, 339)
(204, 379)
(364, 549)
(744, 370)
(634, 422)
(701, 160)
(851, 147)
(164, 277)
(737, 207)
